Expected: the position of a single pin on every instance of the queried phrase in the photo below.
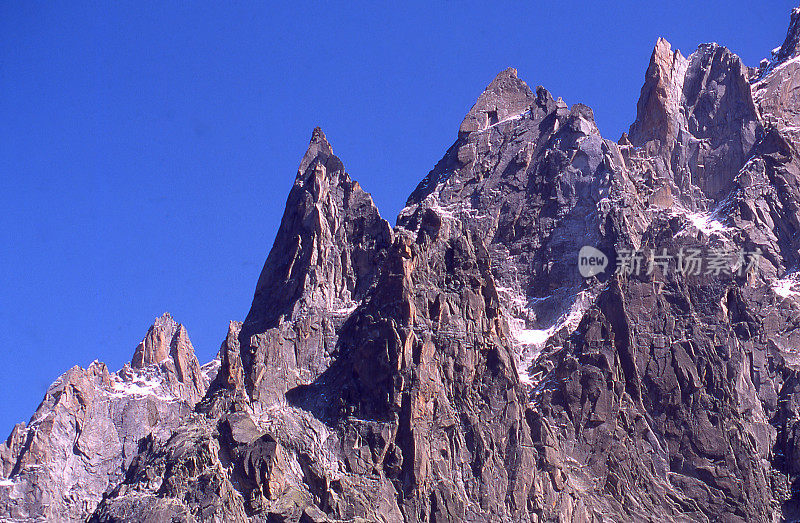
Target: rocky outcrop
(791, 45)
(696, 124)
(323, 262)
(658, 113)
(459, 366)
(505, 98)
(167, 345)
(537, 188)
(89, 426)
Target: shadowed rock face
(457, 367)
(791, 45)
(324, 256)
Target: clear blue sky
(146, 153)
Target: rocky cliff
(91, 423)
(459, 366)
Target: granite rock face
(459, 367)
(89, 427)
(696, 121)
(324, 261)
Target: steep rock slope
(324, 260)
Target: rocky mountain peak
(774, 84)
(658, 109)
(164, 338)
(463, 366)
(699, 112)
(324, 260)
(505, 97)
(166, 321)
(167, 345)
(319, 153)
(791, 45)
(321, 255)
(90, 424)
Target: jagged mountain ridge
(88, 428)
(458, 367)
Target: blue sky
(146, 153)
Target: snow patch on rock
(140, 386)
(507, 119)
(787, 287)
(532, 341)
(773, 67)
(211, 369)
(706, 222)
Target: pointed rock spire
(167, 340)
(325, 258)
(658, 109)
(505, 97)
(95, 422)
(325, 255)
(155, 347)
(182, 353)
(775, 86)
(703, 103)
(319, 152)
(167, 344)
(328, 232)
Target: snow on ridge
(773, 66)
(507, 119)
(6, 482)
(431, 201)
(210, 369)
(140, 386)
